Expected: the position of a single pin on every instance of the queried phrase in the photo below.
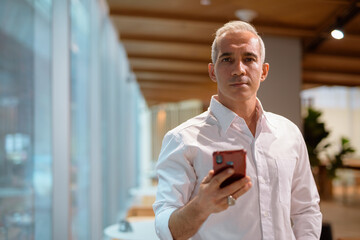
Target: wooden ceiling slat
(169, 29)
(175, 30)
(145, 11)
(193, 87)
(331, 63)
(172, 95)
(169, 42)
(353, 26)
(284, 31)
(148, 64)
(341, 2)
(348, 46)
(161, 92)
(158, 38)
(297, 13)
(171, 77)
(161, 50)
(330, 78)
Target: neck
(246, 110)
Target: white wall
(280, 92)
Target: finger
(222, 204)
(235, 186)
(208, 177)
(222, 176)
(242, 190)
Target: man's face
(238, 70)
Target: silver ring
(230, 200)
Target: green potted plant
(315, 135)
(336, 161)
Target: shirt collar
(225, 116)
(268, 121)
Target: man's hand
(186, 221)
(212, 199)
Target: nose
(239, 69)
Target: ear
(211, 70)
(265, 71)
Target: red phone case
(233, 158)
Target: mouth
(238, 81)
(238, 84)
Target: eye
(226, 59)
(249, 59)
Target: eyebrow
(225, 54)
(247, 54)
(250, 54)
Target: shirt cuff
(162, 224)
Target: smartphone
(226, 159)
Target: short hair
(234, 26)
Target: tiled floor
(343, 213)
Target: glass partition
(25, 129)
(80, 130)
(105, 111)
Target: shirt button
(266, 214)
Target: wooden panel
(185, 8)
(169, 42)
(157, 97)
(329, 78)
(284, 31)
(165, 29)
(164, 50)
(300, 13)
(348, 46)
(172, 77)
(177, 30)
(161, 65)
(194, 87)
(354, 27)
(166, 92)
(331, 63)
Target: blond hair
(234, 26)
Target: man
(277, 199)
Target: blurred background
(88, 88)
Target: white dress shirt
(283, 202)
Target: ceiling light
(246, 15)
(337, 34)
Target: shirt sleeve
(305, 210)
(176, 181)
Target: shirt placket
(264, 190)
